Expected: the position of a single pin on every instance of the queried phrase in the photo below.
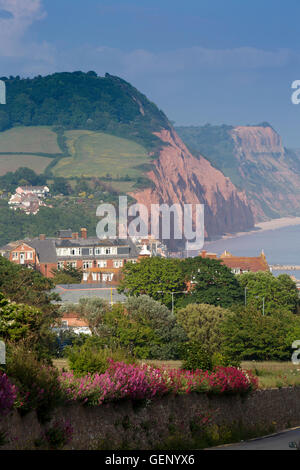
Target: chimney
(42, 236)
(83, 232)
(75, 235)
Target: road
(279, 441)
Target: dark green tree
(212, 283)
(156, 277)
(248, 335)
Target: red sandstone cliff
(269, 173)
(179, 177)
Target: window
(101, 263)
(85, 276)
(60, 265)
(29, 255)
(75, 251)
(108, 251)
(97, 251)
(64, 323)
(87, 264)
(73, 264)
(15, 255)
(118, 263)
(63, 252)
(91, 251)
(107, 277)
(96, 276)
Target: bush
(196, 356)
(144, 382)
(249, 335)
(37, 383)
(201, 323)
(222, 360)
(90, 359)
(8, 394)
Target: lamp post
(246, 296)
(172, 294)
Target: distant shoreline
(262, 227)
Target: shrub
(56, 436)
(201, 323)
(196, 356)
(249, 335)
(143, 382)
(219, 359)
(38, 385)
(90, 359)
(8, 394)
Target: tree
(92, 310)
(156, 277)
(142, 325)
(24, 285)
(67, 275)
(248, 335)
(278, 292)
(201, 323)
(27, 324)
(212, 283)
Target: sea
(281, 246)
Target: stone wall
(146, 425)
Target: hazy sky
(217, 61)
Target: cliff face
(255, 160)
(179, 177)
(271, 174)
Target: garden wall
(146, 425)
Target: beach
(272, 224)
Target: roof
(245, 263)
(46, 249)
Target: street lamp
(172, 294)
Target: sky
(200, 61)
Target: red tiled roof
(245, 263)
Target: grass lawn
(13, 162)
(99, 154)
(29, 140)
(274, 374)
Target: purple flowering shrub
(8, 394)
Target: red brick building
(100, 260)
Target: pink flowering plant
(8, 394)
(127, 381)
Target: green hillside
(100, 154)
(12, 162)
(80, 100)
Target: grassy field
(13, 161)
(270, 374)
(99, 154)
(274, 374)
(39, 139)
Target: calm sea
(281, 246)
